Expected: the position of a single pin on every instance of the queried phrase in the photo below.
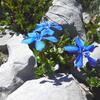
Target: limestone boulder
(68, 13)
(18, 68)
(60, 87)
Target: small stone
(86, 17)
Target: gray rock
(69, 14)
(96, 53)
(60, 87)
(5, 36)
(19, 67)
(86, 17)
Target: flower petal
(58, 27)
(55, 25)
(71, 49)
(79, 61)
(51, 38)
(40, 25)
(32, 34)
(52, 24)
(90, 48)
(28, 40)
(39, 45)
(91, 61)
(39, 29)
(43, 32)
(47, 31)
(79, 42)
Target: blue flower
(82, 51)
(37, 39)
(45, 26)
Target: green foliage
(92, 32)
(91, 6)
(53, 54)
(22, 15)
(94, 82)
(3, 57)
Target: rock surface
(19, 67)
(86, 17)
(96, 53)
(59, 87)
(69, 14)
(5, 36)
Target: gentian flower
(83, 51)
(45, 26)
(37, 38)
